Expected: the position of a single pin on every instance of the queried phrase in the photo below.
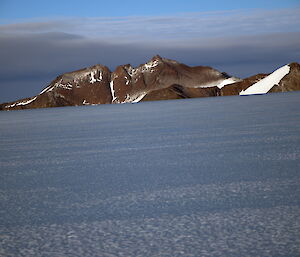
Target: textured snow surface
(263, 86)
(196, 177)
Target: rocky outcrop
(158, 79)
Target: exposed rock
(82, 87)
(180, 92)
(159, 79)
(130, 84)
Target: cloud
(153, 28)
(238, 42)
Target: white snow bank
(263, 86)
(228, 81)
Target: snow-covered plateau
(198, 177)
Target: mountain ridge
(158, 79)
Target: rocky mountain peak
(156, 58)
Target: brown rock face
(180, 92)
(130, 84)
(159, 79)
(82, 87)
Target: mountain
(284, 79)
(158, 79)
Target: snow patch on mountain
(263, 86)
(127, 81)
(139, 98)
(134, 98)
(93, 78)
(49, 88)
(228, 81)
(148, 67)
(58, 84)
(220, 83)
(21, 103)
(64, 86)
(111, 84)
(85, 102)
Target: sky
(40, 40)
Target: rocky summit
(158, 79)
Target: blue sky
(20, 9)
(42, 39)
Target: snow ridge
(263, 86)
